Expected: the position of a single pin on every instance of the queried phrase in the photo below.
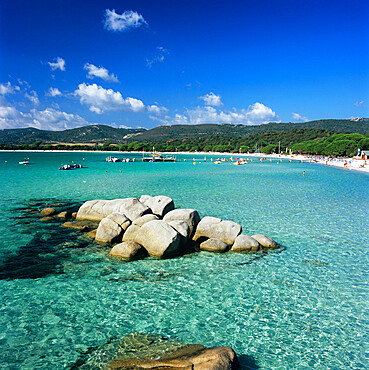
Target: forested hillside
(96, 134)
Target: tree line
(304, 141)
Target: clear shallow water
(303, 307)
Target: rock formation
(151, 226)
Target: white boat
(112, 159)
(24, 162)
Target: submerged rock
(92, 234)
(148, 351)
(47, 219)
(77, 225)
(191, 356)
(48, 211)
(64, 214)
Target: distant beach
(355, 164)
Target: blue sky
(70, 63)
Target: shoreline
(354, 164)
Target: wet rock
(213, 227)
(108, 231)
(159, 205)
(77, 225)
(47, 219)
(48, 211)
(92, 234)
(74, 214)
(245, 243)
(149, 351)
(190, 216)
(265, 241)
(128, 250)
(192, 356)
(213, 245)
(64, 214)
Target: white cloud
(54, 91)
(8, 88)
(7, 111)
(155, 109)
(359, 103)
(32, 97)
(48, 119)
(256, 114)
(122, 22)
(101, 72)
(159, 56)
(299, 117)
(212, 99)
(99, 99)
(59, 64)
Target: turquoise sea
(304, 306)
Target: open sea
(303, 306)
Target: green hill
(85, 134)
(106, 134)
(162, 133)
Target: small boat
(75, 165)
(24, 162)
(112, 159)
(217, 162)
(65, 167)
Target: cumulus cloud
(101, 72)
(32, 97)
(48, 119)
(7, 88)
(299, 117)
(155, 109)
(59, 64)
(256, 114)
(123, 22)
(7, 111)
(212, 99)
(158, 57)
(54, 91)
(100, 100)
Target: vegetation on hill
(315, 142)
(99, 134)
(86, 134)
